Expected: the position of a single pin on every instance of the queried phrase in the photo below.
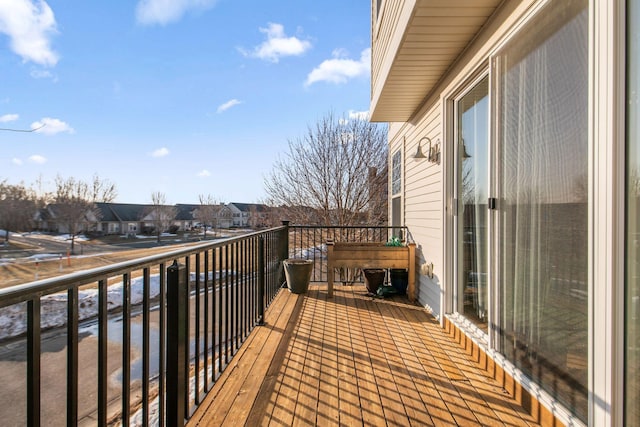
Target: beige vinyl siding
(414, 44)
(422, 200)
(383, 35)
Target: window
(632, 290)
(396, 188)
(541, 98)
(396, 173)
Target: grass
(18, 273)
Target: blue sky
(185, 97)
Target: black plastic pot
(399, 279)
(373, 279)
(298, 274)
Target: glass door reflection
(472, 195)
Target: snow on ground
(150, 236)
(154, 407)
(34, 258)
(316, 252)
(40, 257)
(79, 237)
(53, 311)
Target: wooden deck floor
(354, 360)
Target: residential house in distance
(249, 215)
(226, 216)
(185, 216)
(514, 154)
(45, 219)
(121, 218)
(114, 218)
(132, 219)
(125, 218)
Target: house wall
(427, 188)
(424, 205)
(422, 197)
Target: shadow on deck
(354, 360)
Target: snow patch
(53, 307)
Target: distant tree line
(18, 204)
(74, 202)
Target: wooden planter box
(371, 255)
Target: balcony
(354, 360)
(205, 335)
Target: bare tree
(468, 184)
(103, 190)
(42, 197)
(161, 214)
(257, 216)
(207, 213)
(276, 215)
(17, 208)
(326, 177)
(75, 202)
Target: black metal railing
(146, 339)
(309, 242)
(164, 327)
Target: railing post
(176, 350)
(285, 250)
(33, 362)
(261, 280)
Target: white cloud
(38, 159)
(9, 118)
(43, 74)
(228, 104)
(16, 161)
(29, 26)
(277, 45)
(339, 69)
(160, 152)
(204, 173)
(49, 126)
(149, 12)
(359, 115)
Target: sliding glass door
(541, 88)
(472, 134)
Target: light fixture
(433, 150)
(419, 154)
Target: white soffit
(437, 33)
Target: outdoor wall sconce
(433, 153)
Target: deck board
(328, 413)
(354, 360)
